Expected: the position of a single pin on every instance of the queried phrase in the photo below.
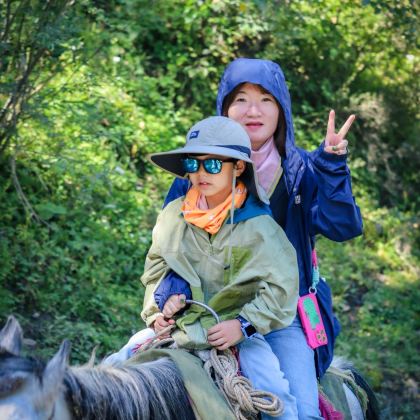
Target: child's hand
(174, 304)
(225, 334)
(161, 323)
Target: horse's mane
(132, 391)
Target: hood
(270, 76)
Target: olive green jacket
(260, 283)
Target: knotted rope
(222, 368)
(245, 401)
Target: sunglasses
(212, 166)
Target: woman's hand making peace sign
(336, 142)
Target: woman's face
(257, 112)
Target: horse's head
(29, 389)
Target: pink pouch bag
(311, 321)
(309, 313)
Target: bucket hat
(214, 136)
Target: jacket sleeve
(334, 212)
(178, 188)
(172, 284)
(155, 270)
(275, 302)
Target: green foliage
(33, 40)
(362, 60)
(89, 88)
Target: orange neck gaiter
(211, 220)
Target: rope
(244, 401)
(156, 341)
(222, 368)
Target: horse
(34, 390)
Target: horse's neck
(148, 390)
(78, 392)
(90, 392)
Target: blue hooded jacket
(319, 193)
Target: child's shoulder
(263, 228)
(169, 223)
(262, 224)
(174, 205)
(171, 211)
(263, 220)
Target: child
(222, 240)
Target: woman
(310, 193)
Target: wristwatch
(248, 330)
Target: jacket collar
(251, 208)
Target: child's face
(216, 187)
(257, 111)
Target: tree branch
(26, 204)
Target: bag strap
(315, 272)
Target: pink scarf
(267, 160)
(202, 203)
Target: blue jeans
(261, 366)
(298, 364)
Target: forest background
(88, 88)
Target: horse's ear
(91, 362)
(54, 371)
(11, 336)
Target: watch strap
(248, 330)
